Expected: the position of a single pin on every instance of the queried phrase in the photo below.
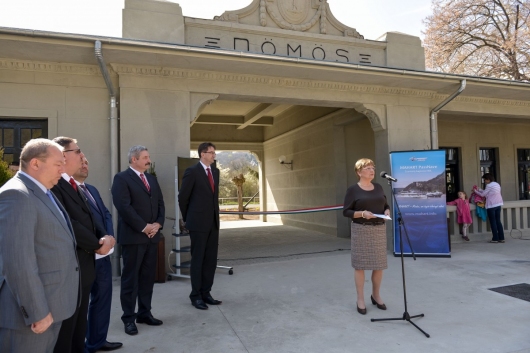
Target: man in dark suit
(39, 274)
(90, 239)
(199, 205)
(138, 199)
(101, 292)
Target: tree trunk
(240, 199)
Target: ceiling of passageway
(242, 114)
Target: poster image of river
(420, 194)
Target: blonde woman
(368, 232)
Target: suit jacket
(136, 207)
(198, 204)
(101, 213)
(39, 272)
(87, 232)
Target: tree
(232, 164)
(479, 37)
(239, 180)
(5, 172)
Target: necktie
(142, 176)
(50, 196)
(88, 195)
(210, 177)
(72, 182)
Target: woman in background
(494, 203)
(368, 232)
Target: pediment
(313, 16)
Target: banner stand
(420, 192)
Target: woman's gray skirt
(368, 247)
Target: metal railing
(233, 200)
(515, 218)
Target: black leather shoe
(130, 328)
(199, 304)
(149, 320)
(379, 306)
(361, 311)
(110, 346)
(211, 301)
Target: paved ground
(306, 302)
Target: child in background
(463, 213)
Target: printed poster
(421, 196)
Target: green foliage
(151, 169)
(5, 172)
(232, 164)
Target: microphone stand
(406, 316)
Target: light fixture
(282, 161)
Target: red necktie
(145, 182)
(72, 182)
(210, 177)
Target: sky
(371, 18)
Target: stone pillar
(407, 129)
(341, 181)
(158, 120)
(154, 20)
(404, 51)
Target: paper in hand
(382, 216)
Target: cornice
(27, 65)
(263, 80)
(300, 83)
(81, 69)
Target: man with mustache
(138, 199)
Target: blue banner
(420, 195)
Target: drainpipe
(434, 115)
(115, 257)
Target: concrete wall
(309, 184)
(159, 120)
(74, 105)
(470, 135)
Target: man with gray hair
(138, 199)
(39, 272)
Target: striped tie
(145, 182)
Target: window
(488, 163)
(15, 133)
(452, 172)
(523, 173)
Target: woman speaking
(368, 232)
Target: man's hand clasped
(107, 242)
(151, 229)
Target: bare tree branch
(479, 37)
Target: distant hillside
(435, 184)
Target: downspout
(434, 115)
(115, 257)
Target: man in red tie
(199, 205)
(91, 239)
(138, 199)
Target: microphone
(386, 176)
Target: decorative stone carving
(121, 69)
(295, 15)
(197, 103)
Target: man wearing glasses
(199, 205)
(90, 237)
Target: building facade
(279, 77)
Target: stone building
(279, 77)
